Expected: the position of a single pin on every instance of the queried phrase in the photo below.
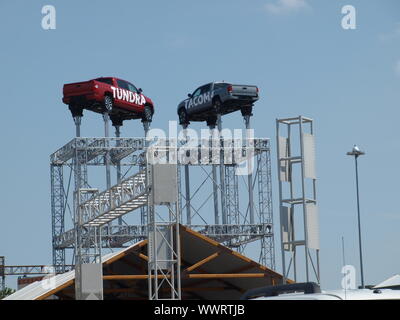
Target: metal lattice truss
(37, 269)
(100, 208)
(93, 151)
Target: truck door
(206, 97)
(192, 105)
(130, 98)
(138, 98)
(123, 95)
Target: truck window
(205, 88)
(122, 84)
(197, 92)
(105, 80)
(131, 87)
(218, 86)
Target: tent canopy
(209, 270)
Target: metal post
(78, 121)
(294, 258)
(214, 176)
(359, 225)
(280, 204)
(250, 174)
(106, 118)
(221, 169)
(304, 196)
(187, 185)
(119, 175)
(2, 274)
(356, 152)
(144, 212)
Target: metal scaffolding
(95, 209)
(299, 224)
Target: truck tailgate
(78, 88)
(244, 90)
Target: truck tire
(183, 118)
(217, 105)
(108, 103)
(147, 114)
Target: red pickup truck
(120, 98)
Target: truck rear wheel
(217, 105)
(108, 103)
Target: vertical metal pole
(292, 207)
(280, 205)
(221, 169)
(77, 120)
(144, 211)
(106, 118)
(2, 273)
(315, 199)
(214, 175)
(178, 252)
(359, 225)
(78, 247)
(187, 195)
(250, 174)
(119, 175)
(304, 195)
(187, 185)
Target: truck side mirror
(140, 90)
(189, 95)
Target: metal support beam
(106, 118)
(119, 175)
(214, 175)
(250, 173)
(187, 183)
(2, 273)
(222, 170)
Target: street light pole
(356, 152)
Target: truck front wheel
(183, 117)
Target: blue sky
(295, 51)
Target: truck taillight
(229, 88)
(257, 90)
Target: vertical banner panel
(312, 226)
(92, 281)
(164, 183)
(283, 165)
(286, 227)
(309, 156)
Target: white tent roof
(391, 282)
(40, 288)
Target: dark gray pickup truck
(216, 97)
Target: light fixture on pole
(356, 152)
